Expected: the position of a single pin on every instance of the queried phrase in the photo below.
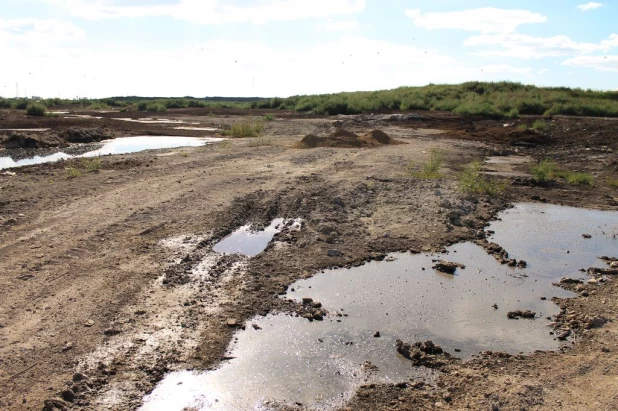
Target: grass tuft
(472, 181)
(91, 165)
(544, 171)
(540, 125)
(244, 129)
(578, 179)
(431, 168)
(613, 183)
(73, 172)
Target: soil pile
(346, 139)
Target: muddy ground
(96, 306)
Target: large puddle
(249, 241)
(125, 145)
(321, 363)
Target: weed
(260, 142)
(578, 179)
(91, 165)
(269, 117)
(522, 127)
(244, 129)
(544, 171)
(472, 181)
(613, 183)
(211, 114)
(73, 172)
(540, 125)
(431, 168)
(36, 109)
(225, 144)
(185, 154)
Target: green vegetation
(540, 125)
(522, 127)
(260, 142)
(547, 171)
(98, 105)
(91, 165)
(473, 181)
(544, 171)
(269, 117)
(578, 179)
(495, 99)
(244, 129)
(613, 183)
(73, 172)
(36, 109)
(224, 144)
(429, 169)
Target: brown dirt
(83, 264)
(345, 139)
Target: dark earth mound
(346, 139)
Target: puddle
(25, 129)
(291, 359)
(82, 116)
(126, 145)
(148, 120)
(251, 242)
(196, 128)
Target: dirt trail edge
(107, 280)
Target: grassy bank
(499, 99)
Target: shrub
(578, 179)
(473, 181)
(269, 117)
(540, 125)
(156, 107)
(544, 171)
(73, 172)
(244, 129)
(36, 109)
(91, 165)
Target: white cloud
(241, 69)
(341, 25)
(601, 63)
(589, 6)
(28, 31)
(484, 20)
(214, 11)
(529, 47)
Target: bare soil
(97, 300)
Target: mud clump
(516, 315)
(447, 267)
(82, 135)
(345, 139)
(424, 354)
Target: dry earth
(99, 275)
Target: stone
(376, 334)
(334, 253)
(68, 395)
(79, 377)
(111, 332)
(515, 315)
(447, 267)
(307, 300)
(231, 322)
(89, 323)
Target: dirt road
(97, 304)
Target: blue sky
(100, 48)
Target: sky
(268, 48)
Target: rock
(603, 271)
(586, 236)
(231, 322)
(318, 316)
(307, 300)
(522, 264)
(89, 323)
(593, 281)
(566, 280)
(256, 327)
(425, 354)
(338, 202)
(334, 253)
(495, 306)
(67, 347)
(316, 304)
(515, 315)
(447, 267)
(376, 334)
(111, 332)
(563, 334)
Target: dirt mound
(346, 139)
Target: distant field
(500, 99)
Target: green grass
(613, 183)
(429, 169)
(473, 181)
(522, 127)
(73, 172)
(544, 171)
(540, 125)
(269, 117)
(577, 179)
(244, 129)
(36, 109)
(91, 165)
